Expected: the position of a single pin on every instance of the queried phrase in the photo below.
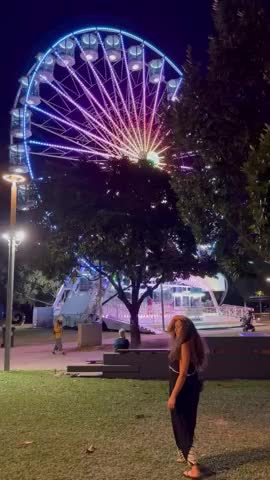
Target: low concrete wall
(89, 334)
(229, 358)
(246, 357)
(151, 363)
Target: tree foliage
(257, 170)
(125, 219)
(31, 285)
(221, 114)
(35, 288)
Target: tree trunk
(134, 328)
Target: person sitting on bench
(121, 343)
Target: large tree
(124, 222)
(257, 169)
(222, 111)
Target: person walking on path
(186, 358)
(58, 333)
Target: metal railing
(151, 315)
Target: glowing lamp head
(135, 67)
(19, 236)
(14, 178)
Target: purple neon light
(61, 135)
(117, 128)
(91, 117)
(89, 94)
(144, 101)
(154, 110)
(65, 147)
(104, 91)
(132, 94)
(119, 89)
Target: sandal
(188, 474)
(180, 458)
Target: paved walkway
(34, 350)
(38, 355)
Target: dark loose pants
(184, 415)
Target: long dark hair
(189, 333)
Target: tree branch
(149, 290)
(121, 292)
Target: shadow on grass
(232, 459)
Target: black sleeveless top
(174, 368)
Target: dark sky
(31, 26)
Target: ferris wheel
(96, 93)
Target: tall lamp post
(13, 238)
(162, 307)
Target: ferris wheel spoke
(92, 98)
(132, 93)
(164, 149)
(49, 120)
(120, 93)
(59, 112)
(88, 116)
(70, 124)
(119, 129)
(75, 85)
(153, 146)
(144, 101)
(104, 93)
(61, 135)
(62, 157)
(154, 110)
(100, 141)
(66, 109)
(52, 99)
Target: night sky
(29, 27)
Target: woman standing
(186, 358)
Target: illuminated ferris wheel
(96, 93)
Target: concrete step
(102, 368)
(85, 374)
(94, 362)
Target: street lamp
(14, 238)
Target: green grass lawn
(128, 424)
